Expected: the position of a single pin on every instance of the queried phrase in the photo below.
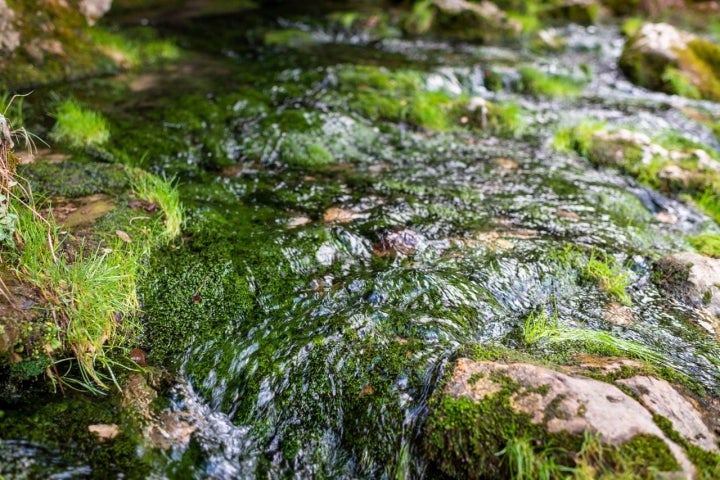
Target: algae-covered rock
(482, 21)
(661, 57)
(487, 405)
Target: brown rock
(661, 398)
(559, 402)
(105, 431)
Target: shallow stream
(337, 259)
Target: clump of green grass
(163, 193)
(140, 47)
(706, 243)
(539, 327)
(525, 463)
(535, 82)
(79, 127)
(611, 276)
(88, 294)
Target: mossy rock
(582, 12)
(663, 58)
(462, 20)
(488, 410)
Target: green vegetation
(706, 243)
(287, 38)
(401, 96)
(164, 194)
(79, 127)
(136, 47)
(527, 462)
(679, 172)
(535, 82)
(541, 328)
(611, 276)
(87, 294)
(632, 25)
(87, 285)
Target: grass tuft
(541, 327)
(79, 127)
(165, 195)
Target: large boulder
(661, 57)
(482, 21)
(487, 404)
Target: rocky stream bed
(407, 252)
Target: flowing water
(314, 305)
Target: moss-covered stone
(660, 57)
(475, 424)
(483, 22)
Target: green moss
(76, 178)
(60, 425)
(421, 18)
(300, 152)
(535, 82)
(632, 25)
(288, 38)
(680, 84)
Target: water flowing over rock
(465, 427)
(664, 58)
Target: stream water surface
(337, 259)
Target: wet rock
(341, 215)
(661, 57)
(659, 397)
(618, 315)
(695, 280)
(582, 12)
(587, 362)
(170, 430)
(403, 241)
(9, 36)
(482, 21)
(105, 431)
(469, 418)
